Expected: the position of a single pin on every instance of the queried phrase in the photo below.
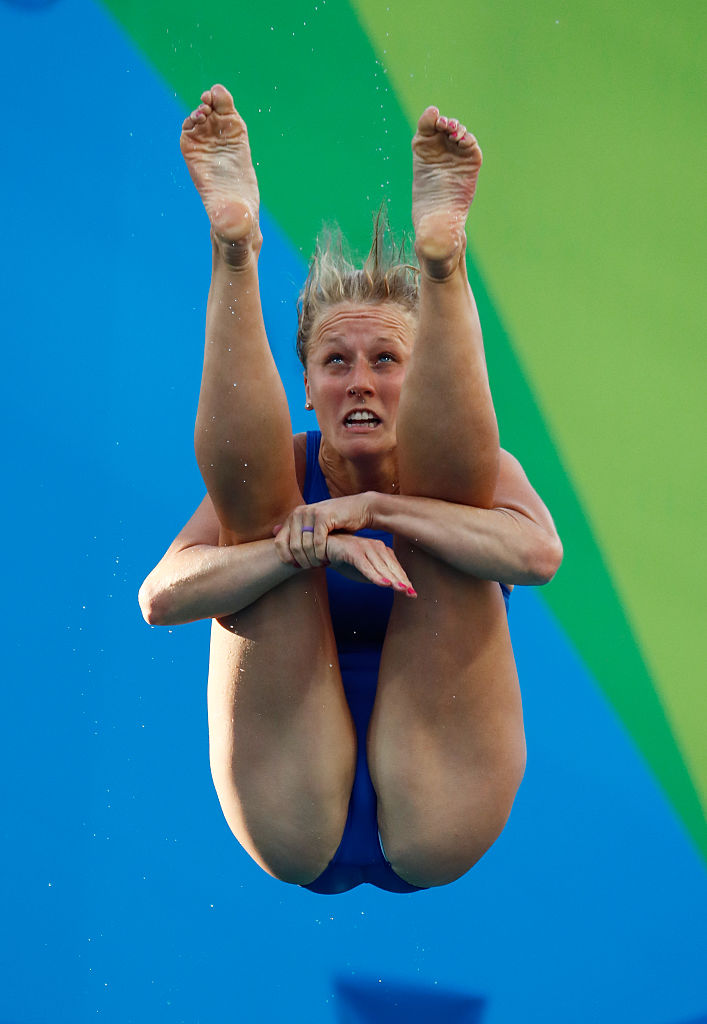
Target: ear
(306, 387)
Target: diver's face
(356, 364)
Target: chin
(374, 440)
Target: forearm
(205, 582)
(492, 544)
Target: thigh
(282, 744)
(446, 746)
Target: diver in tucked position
(360, 730)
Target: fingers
(302, 546)
(295, 539)
(376, 562)
(319, 539)
(282, 544)
(305, 540)
(302, 538)
(310, 529)
(390, 572)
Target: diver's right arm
(197, 579)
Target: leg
(281, 741)
(242, 436)
(455, 438)
(446, 747)
(282, 744)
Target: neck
(348, 476)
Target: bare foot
(445, 166)
(214, 143)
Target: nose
(361, 381)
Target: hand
(367, 560)
(302, 539)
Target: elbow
(545, 560)
(153, 606)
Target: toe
(221, 100)
(428, 121)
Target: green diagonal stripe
(331, 140)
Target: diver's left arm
(514, 542)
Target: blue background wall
(124, 896)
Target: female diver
(365, 718)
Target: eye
(334, 358)
(386, 357)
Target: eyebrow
(338, 339)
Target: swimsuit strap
(315, 488)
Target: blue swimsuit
(359, 613)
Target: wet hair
(387, 275)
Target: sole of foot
(215, 147)
(446, 164)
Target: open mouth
(361, 418)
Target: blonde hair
(387, 275)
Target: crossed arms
(514, 542)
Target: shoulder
(510, 465)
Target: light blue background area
(124, 896)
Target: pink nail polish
(385, 580)
(412, 592)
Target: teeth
(361, 417)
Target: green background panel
(590, 229)
(126, 896)
(331, 139)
